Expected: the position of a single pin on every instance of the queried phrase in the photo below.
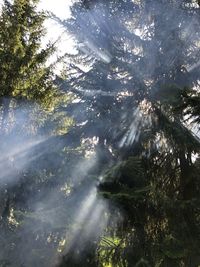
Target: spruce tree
(27, 89)
(135, 96)
(24, 71)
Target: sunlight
(133, 130)
(82, 214)
(17, 149)
(99, 133)
(90, 214)
(92, 49)
(194, 66)
(16, 156)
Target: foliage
(139, 96)
(134, 110)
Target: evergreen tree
(24, 72)
(135, 96)
(135, 80)
(30, 103)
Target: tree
(24, 72)
(139, 69)
(134, 79)
(31, 111)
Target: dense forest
(100, 148)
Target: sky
(61, 8)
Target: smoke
(49, 202)
(148, 36)
(136, 47)
(90, 48)
(16, 156)
(194, 66)
(133, 131)
(89, 213)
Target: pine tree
(24, 72)
(26, 86)
(135, 99)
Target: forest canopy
(100, 163)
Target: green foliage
(137, 88)
(153, 178)
(25, 75)
(30, 105)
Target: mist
(67, 200)
(65, 192)
(134, 56)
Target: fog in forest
(99, 150)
